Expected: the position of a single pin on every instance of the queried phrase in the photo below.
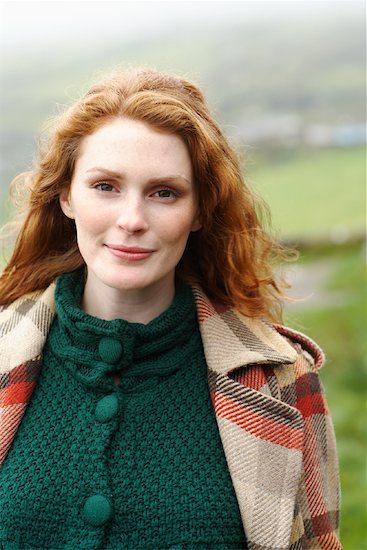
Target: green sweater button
(97, 510)
(110, 350)
(107, 408)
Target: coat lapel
(24, 326)
(262, 436)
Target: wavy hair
(231, 257)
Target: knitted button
(107, 408)
(110, 350)
(97, 510)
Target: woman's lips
(130, 254)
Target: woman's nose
(132, 215)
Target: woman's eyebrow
(120, 175)
(106, 171)
(167, 179)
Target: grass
(341, 332)
(313, 192)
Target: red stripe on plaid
(322, 524)
(17, 393)
(257, 424)
(329, 542)
(203, 311)
(312, 404)
(5, 444)
(252, 378)
(10, 419)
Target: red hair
(231, 257)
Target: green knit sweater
(134, 465)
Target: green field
(313, 192)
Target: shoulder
(234, 341)
(298, 383)
(304, 372)
(24, 325)
(302, 344)
(29, 301)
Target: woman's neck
(135, 306)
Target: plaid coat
(271, 412)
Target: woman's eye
(165, 194)
(103, 186)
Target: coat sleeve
(318, 497)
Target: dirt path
(308, 285)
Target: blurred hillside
(270, 82)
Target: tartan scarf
(270, 407)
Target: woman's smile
(129, 254)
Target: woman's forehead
(124, 144)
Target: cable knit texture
(134, 465)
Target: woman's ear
(196, 224)
(65, 203)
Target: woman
(169, 411)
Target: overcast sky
(29, 25)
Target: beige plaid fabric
(271, 412)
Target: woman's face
(133, 200)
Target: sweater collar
(79, 339)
